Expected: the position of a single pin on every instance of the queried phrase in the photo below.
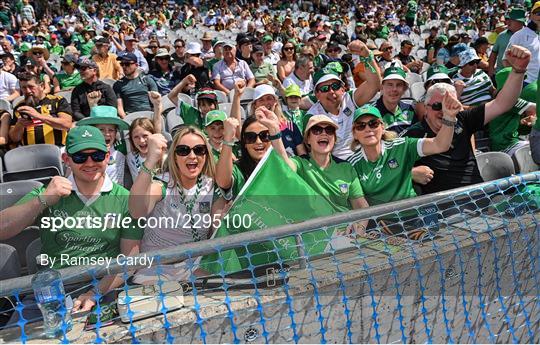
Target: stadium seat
(247, 96)
(5, 105)
(11, 192)
(184, 98)
(33, 162)
(413, 78)
(222, 96)
(32, 251)
(421, 54)
(166, 104)
(138, 114)
(65, 94)
(226, 107)
(17, 100)
(417, 90)
(10, 266)
(109, 82)
(173, 120)
(524, 161)
(495, 165)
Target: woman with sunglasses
(385, 167)
(254, 141)
(327, 175)
(285, 65)
(187, 196)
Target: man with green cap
(88, 197)
(338, 104)
(270, 56)
(106, 119)
(396, 114)
(515, 20)
(528, 38)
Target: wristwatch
(447, 121)
(42, 200)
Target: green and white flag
(274, 195)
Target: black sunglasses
(126, 63)
(373, 124)
(251, 137)
(474, 62)
(436, 106)
(178, 47)
(317, 130)
(81, 157)
(334, 86)
(184, 150)
(288, 48)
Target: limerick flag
(273, 195)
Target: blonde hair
(209, 168)
(387, 136)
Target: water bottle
(51, 300)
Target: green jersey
(57, 49)
(261, 72)
(389, 178)
(190, 115)
(95, 226)
(238, 182)
(338, 182)
(298, 117)
(86, 48)
(503, 130)
(68, 81)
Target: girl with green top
(385, 167)
(334, 179)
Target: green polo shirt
(86, 238)
(86, 48)
(389, 178)
(338, 182)
(190, 115)
(67, 81)
(261, 72)
(503, 130)
(500, 46)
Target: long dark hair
(246, 163)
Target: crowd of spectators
(368, 102)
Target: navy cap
(127, 57)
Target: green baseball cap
(366, 109)
(437, 72)
(213, 116)
(395, 72)
(266, 39)
(293, 90)
(104, 115)
(82, 138)
(325, 74)
(443, 39)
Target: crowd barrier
(473, 279)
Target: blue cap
(458, 49)
(127, 57)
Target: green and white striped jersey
(477, 88)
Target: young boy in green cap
(293, 96)
(106, 119)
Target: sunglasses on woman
(81, 157)
(184, 150)
(334, 86)
(288, 49)
(251, 137)
(373, 124)
(317, 130)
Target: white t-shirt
(115, 169)
(8, 84)
(344, 120)
(528, 39)
(134, 162)
(306, 86)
